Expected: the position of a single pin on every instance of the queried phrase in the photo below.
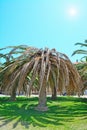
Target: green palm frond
(80, 52)
(82, 44)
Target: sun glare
(72, 12)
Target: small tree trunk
(42, 99)
(13, 93)
(13, 96)
(54, 93)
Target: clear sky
(44, 23)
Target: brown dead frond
(53, 66)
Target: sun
(72, 12)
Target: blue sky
(44, 23)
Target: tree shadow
(22, 111)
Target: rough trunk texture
(13, 96)
(42, 99)
(13, 93)
(54, 93)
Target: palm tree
(52, 69)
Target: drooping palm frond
(9, 52)
(14, 47)
(49, 65)
(13, 66)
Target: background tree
(82, 65)
(82, 69)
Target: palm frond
(48, 66)
(79, 52)
(82, 44)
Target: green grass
(66, 113)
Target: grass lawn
(66, 113)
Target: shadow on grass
(64, 109)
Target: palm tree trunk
(54, 93)
(42, 99)
(13, 95)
